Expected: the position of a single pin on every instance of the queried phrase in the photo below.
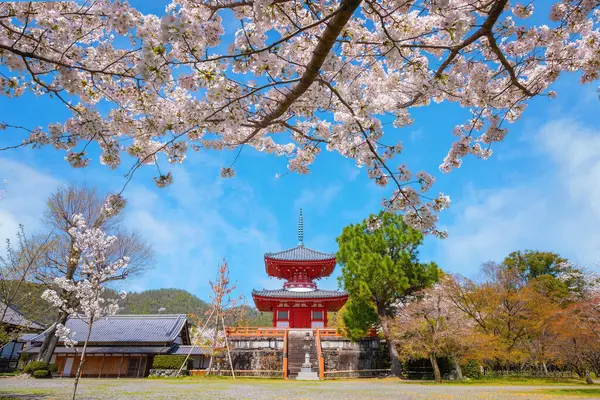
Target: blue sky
(540, 190)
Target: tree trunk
(436, 369)
(459, 375)
(545, 368)
(51, 340)
(214, 345)
(82, 359)
(588, 378)
(393, 351)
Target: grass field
(224, 389)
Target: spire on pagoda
(300, 230)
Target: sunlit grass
(582, 392)
(509, 381)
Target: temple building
(300, 303)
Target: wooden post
(227, 345)
(196, 342)
(320, 356)
(137, 375)
(285, 354)
(101, 366)
(120, 366)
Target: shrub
(52, 368)
(35, 366)
(41, 373)
(472, 370)
(168, 362)
(24, 359)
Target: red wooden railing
(320, 356)
(340, 333)
(233, 331)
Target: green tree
(533, 264)
(380, 269)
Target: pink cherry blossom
(296, 79)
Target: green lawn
(217, 388)
(583, 392)
(510, 381)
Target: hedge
(168, 362)
(41, 373)
(36, 366)
(472, 370)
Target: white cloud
(24, 202)
(558, 210)
(319, 198)
(196, 222)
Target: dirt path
(130, 389)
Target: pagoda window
(283, 315)
(317, 315)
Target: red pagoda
(300, 304)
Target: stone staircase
(301, 342)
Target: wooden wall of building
(106, 365)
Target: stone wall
(257, 353)
(169, 373)
(341, 354)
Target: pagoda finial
(300, 230)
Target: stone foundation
(340, 354)
(166, 373)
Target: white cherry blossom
(296, 79)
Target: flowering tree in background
(431, 327)
(209, 330)
(96, 271)
(17, 267)
(63, 258)
(578, 330)
(297, 78)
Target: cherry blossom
(96, 271)
(296, 79)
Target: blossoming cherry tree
(297, 77)
(89, 290)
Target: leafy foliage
(41, 373)
(471, 369)
(168, 361)
(380, 266)
(170, 301)
(380, 269)
(358, 317)
(35, 366)
(531, 264)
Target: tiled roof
(315, 294)
(27, 337)
(108, 350)
(300, 253)
(127, 329)
(15, 317)
(185, 350)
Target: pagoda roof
(266, 300)
(291, 294)
(300, 253)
